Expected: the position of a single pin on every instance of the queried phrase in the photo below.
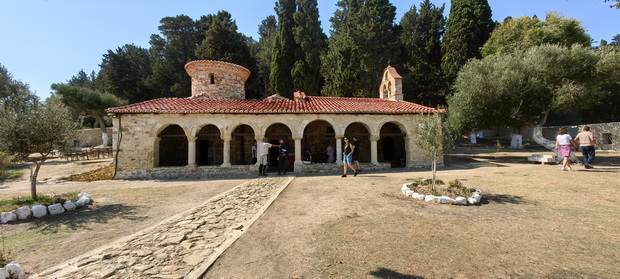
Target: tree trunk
(434, 167)
(104, 135)
(538, 137)
(33, 179)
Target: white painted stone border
(474, 199)
(12, 271)
(40, 211)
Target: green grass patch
(10, 174)
(45, 200)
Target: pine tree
(309, 38)
(421, 38)
(363, 41)
(263, 52)
(469, 26)
(283, 59)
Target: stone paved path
(183, 246)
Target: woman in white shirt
(564, 143)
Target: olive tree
(31, 130)
(430, 137)
(520, 89)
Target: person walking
(587, 142)
(347, 157)
(356, 154)
(282, 158)
(263, 159)
(563, 142)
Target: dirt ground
(535, 221)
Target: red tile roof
(312, 104)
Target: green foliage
(310, 40)
(498, 146)
(5, 254)
(284, 47)
(363, 40)
(45, 200)
(6, 160)
(124, 73)
(617, 5)
(522, 88)
(222, 42)
(469, 26)
(526, 32)
(430, 138)
(421, 40)
(262, 51)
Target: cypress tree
(310, 41)
(362, 42)
(283, 57)
(421, 38)
(469, 26)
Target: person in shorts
(564, 143)
(347, 157)
(263, 156)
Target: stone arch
(362, 132)
(317, 136)
(392, 144)
(209, 145)
(160, 126)
(243, 145)
(172, 146)
(274, 132)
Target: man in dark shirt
(282, 158)
(356, 153)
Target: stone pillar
(373, 149)
(298, 165)
(156, 153)
(339, 151)
(191, 151)
(226, 140)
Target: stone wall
(140, 136)
(87, 137)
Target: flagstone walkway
(183, 246)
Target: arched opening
(391, 146)
(172, 147)
(241, 151)
(209, 146)
(274, 133)
(318, 135)
(363, 136)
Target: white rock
(87, 201)
(421, 197)
(450, 200)
(56, 209)
(415, 195)
(429, 198)
(478, 191)
(83, 195)
(424, 180)
(461, 200)
(39, 211)
(476, 198)
(6, 217)
(406, 185)
(437, 199)
(15, 270)
(4, 274)
(409, 193)
(69, 205)
(23, 213)
(79, 203)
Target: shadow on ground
(391, 274)
(502, 199)
(80, 219)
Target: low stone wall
(88, 137)
(334, 168)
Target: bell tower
(391, 85)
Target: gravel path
(183, 246)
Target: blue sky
(48, 41)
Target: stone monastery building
(212, 132)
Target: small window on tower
(212, 78)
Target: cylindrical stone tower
(217, 80)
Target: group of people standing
(564, 143)
(350, 158)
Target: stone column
(339, 151)
(156, 153)
(191, 151)
(298, 165)
(373, 149)
(227, 140)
